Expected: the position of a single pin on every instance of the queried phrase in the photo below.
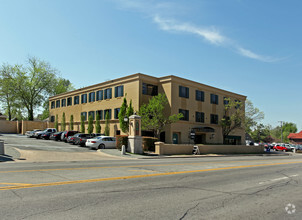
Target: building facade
(295, 138)
(201, 105)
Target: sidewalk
(18, 155)
(117, 154)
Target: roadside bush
(121, 140)
(148, 143)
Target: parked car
(56, 136)
(31, 134)
(70, 140)
(80, 139)
(281, 147)
(46, 135)
(39, 133)
(66, 134)
(101, 142)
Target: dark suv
(66, 134)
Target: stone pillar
(135, 141)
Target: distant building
(295, 138)
(201, 105)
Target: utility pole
(281, 130)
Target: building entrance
(200, 139)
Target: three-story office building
(201, 105)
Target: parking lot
(24, 143)
(39, 150)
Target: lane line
(141, 176)
(133, 166)
(278, 179)
(17, 184)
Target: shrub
(121, 140)
(148, 143)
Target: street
(242, 187)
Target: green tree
(233, 117)
(122, 114)
(8, 96)
(125, 111)
(261, 133)
(252, 116)
(107, 124)
(33, 83)
(287, 128)
(130, 111)
(63, 123)
(56, 123)
(90, 124)
(97, 124)
(82, 124)
(153, 116)
(71, 122)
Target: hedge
(121, 140)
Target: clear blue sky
(251, 47)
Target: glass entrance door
(175, 138)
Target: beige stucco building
(201, 105)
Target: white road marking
(278, 179)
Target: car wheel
(101, 146)
(284, 150)
(274, 149)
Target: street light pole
(281, 131)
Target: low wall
(31, 125)
(169, 149)
(8, 126)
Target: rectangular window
(214, 119)
(116, 112)
(52, 118)
(53, 104)
(84, 98)
(214, 99)
(76, 100)
(119, 91)
(238, 104)
(85, 115)
(99, 95)
(149, 89)
(108, 93)
(58, 104)
(109, 113)
(92, 114)
(225, 100)
(199, 96)
(69, 101)
(63, 102)
(183, 92)
(100, 112)
(185, 114)
(92, 97)
(199, 117)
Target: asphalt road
(179, 188)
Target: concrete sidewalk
(17, 155)
(117, 154)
